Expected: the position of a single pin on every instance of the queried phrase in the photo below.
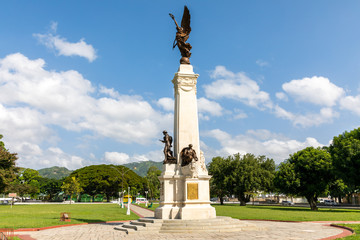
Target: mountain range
(140, 168)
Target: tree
(306, 173)
(8, 167)
(50, 187)
(250, 175)
(106, 180)
(71, 186)
(153, 182)
(221, 170)
(345, 152)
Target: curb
(346, 232)
(67, 225)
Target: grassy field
(43, 215)
(286, 213)
(356, 227)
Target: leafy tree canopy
(221, 182)
(345, 151)
(306, 173)
(8, 167)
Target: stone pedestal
(185, 192)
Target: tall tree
(306, 173)
(153, 182)
(107, 179)
(345, 152)
(71, 186)
(250, 175)
(8, 167)
(221, 170)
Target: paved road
(269, 230)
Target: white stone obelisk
(185, 191)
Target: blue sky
(89, 82)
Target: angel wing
(185, 22)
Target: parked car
(287, 203)
(330, 202)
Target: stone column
(185, 192)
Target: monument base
(185, 197)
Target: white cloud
(316, 90)
(116, 158)
(66, 48)
(351, 103)
(326, 115)
(281, 96)
(34, 100)
(259, 142)
(237, 86)
(120, 158)
(166, 103)
(211, 107)
(31, 155)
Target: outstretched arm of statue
(173, 18)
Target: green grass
(286, 213)
(356, 227)
(154, 206)
(35, 216)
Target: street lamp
(122, 184)
(129, 202)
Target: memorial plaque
(192, 191)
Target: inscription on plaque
(192, 191)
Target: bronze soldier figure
(169, 158)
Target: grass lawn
(286, 213)
(154, 206)
(43, 215)
(356, 227)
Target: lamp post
(129, 202)
(146, 201)
(122, 184)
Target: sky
(89, 82)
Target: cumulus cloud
(66, 48)
(236, 86)
(211, 107)
(120, 158)
(325, 115)
(281, 96)
(166, 103)
(316, 90)
(259, 142)
(33, 100)
(351, 103)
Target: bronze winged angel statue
(182, 35)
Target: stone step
(150, 220)
(126, 230)
(198, 227)
(220, 224)
(138, 223)
(131, 226)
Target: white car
(287, 203)
(330, 203)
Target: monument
(185, 191)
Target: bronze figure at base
(169, 158)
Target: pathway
(270, 230)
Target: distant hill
(143, 167)
(54, 172)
